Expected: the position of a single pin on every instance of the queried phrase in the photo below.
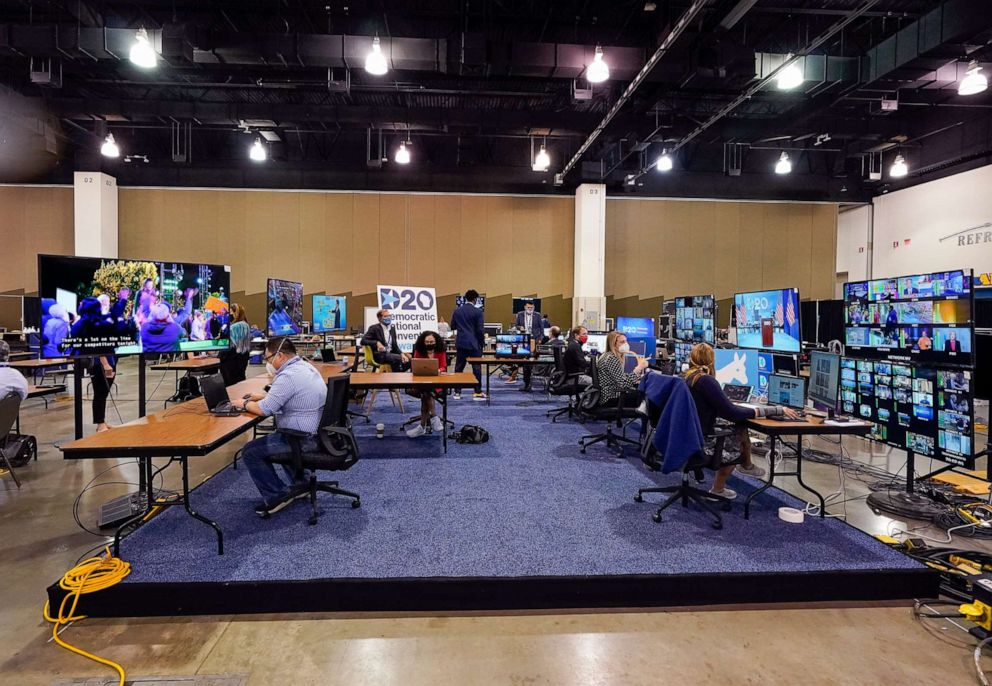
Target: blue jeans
(257, 455)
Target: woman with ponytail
(711, 402)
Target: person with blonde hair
(711, 402)
(612, 377)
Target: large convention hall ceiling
(477, 86)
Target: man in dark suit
(468, 325)
(385, 346)
(576, 361)
(530, 322)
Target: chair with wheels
(561, 383)
(337, 449)
(378, 368)
(351, 395)
(619, 416)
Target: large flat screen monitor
(284, 307)
(480, 303)
(98, 306)
(513, 345)
(923, 317)
(595, 342)
(824, 378)
(330, 313)
(787, 390)
(768, 320)
(694, 318)
(913, 406)
(638, 327)
(742, 367)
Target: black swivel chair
(562, 383)
(10, 405)
(685, 491)
(337, 447)
(613, 414)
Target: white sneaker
(456, 396)
(725, 493)
(437, 424)
(478, 396)
(754, 470)
(416, 431)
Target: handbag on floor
(471, 434)
(19, 449)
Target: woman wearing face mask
(428, 345)
(612, 378)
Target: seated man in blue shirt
(296, 399)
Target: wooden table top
(805, 427)
(408, 380)
(20, 355)
(40, 391)
(38, 364)
(188, 365)
(490, 359)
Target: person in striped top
(613, 378)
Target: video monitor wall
(284, 307)
(768, 320)
(913, 406)
(99, 306)
(330, 313)
(923, 317)
(694, 319)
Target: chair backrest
(10, 404)
(369, 358)
(558, 353)
(594, 373)
(336, 406)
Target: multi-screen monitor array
(927, 317)
(694, 319)
(101, 306)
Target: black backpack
(187, 389)
(471, 434)
(19, 449)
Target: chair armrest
(293, 433)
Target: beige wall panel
(680, 231)
(272, 223)
(703, 232)
(563, 219)
(647, 251)
(823, 237)
(232, 236)
(466, 219)
(622, 236)
(313, 242)
(14, 274)
(752, 222)
(725, 250)
(499, 247)
(775, 254)
(422, 245)
(394, 250)
(531, 246)
(799, 267)
(615, 218)
(339, 242)
(366, 248)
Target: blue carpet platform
(524, 521)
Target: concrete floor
(823, 645)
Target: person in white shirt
(11, 380)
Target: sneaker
(754, 470)
(456, 396)
(478, 396)
(510, 381)
(416, 431)
(263, 509)
(436, 424)
(725, 493)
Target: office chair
(563, 384)
(378, 368)
(356, 413)
(590, 407)
(684, 492)
(10, 405)
(337, 449)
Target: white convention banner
(414, 309)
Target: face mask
(529, 311)
(582, 338)
(625, 348)
(387, 320)
(270, 369)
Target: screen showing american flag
(768, 320)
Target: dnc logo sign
(414, 309)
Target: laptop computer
(424, 366)
(328, 355)
(737, 393)
(786, 391)
(215, 395)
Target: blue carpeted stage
(525, 521)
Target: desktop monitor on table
(787, 390)
(595, 343)
(513, 345)
(824, 378)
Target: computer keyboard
(783, 418)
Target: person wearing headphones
(296, 399)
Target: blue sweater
(678, 436)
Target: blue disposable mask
(387, 320)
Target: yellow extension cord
(89, 576)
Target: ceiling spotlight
(598, 71)
(664, 162)
(899, 168)
(142, 53)
(257, 151)
(542, 160)
(375, 61)
(784, 164)
(790, 77)
(402, 154)
(109, 147)
(974, 81)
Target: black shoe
(263, 509)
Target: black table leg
(220, 534)
(489, 375)
(443, 399)
(145, 477)
(799, 477)
(764, 487)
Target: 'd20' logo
(406, 299)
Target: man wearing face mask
(576, 360)
(385, 345)
(296, 398)
(530, 322)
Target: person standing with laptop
(429, 346)
(467, 323)
(296, 399)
